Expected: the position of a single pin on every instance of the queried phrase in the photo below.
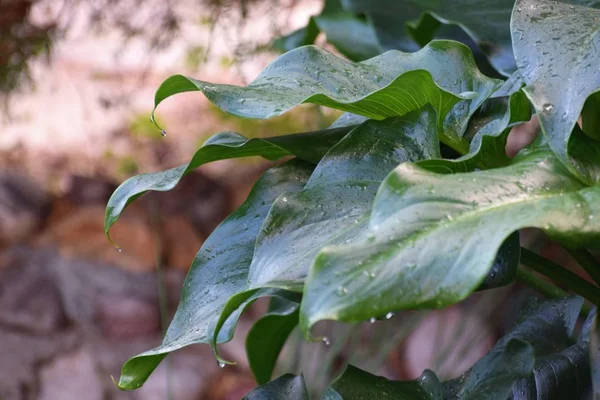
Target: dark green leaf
(356, 384)
(286, 387)
(486, 22)
(301, 37)
(590, 116)
(336, 202)
(488, 131)
(504, 268)
(544, 329)
(307, 146)
(267, 337)
(392, 84)
(555, 46)
(432, 238)
(219, 270)
(561, 372)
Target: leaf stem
(560, 275)
(460, 145)
(544, 287)
(587, 261)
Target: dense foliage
(374, 215)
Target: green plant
(369, 219)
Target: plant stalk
(560, 275)
(587, 261)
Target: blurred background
(77, 80)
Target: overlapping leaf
(555, 45)
(392, 84)
(219, 270)
(268, 335)
(350, 34)
(432, 238)
(308, 146)
(335, 204)
(489, 129)
(486, 22)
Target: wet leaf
(308, 146)
(555, 47)
(219, 270)
(432, 237)
(442, 74)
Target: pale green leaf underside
(432, 237)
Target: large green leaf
(268, 335)
(308, 146)
(555, 46)
(336, 202)
(432, 237)
(486, 22)
(392, 84)
(286, 387)
(219, 270)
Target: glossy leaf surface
(219, 270)
(432, 238)
(307, 146)
(392, 84)
(556, 46)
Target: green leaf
(590, 116)
(286, 387)
(301, 37)
(506, 369)
(489, 129)
(356, 384)
(432, 237)
(219, 270)
(392, 84)
(555, 46)
(267, 337)
(559, 372)
(354, 37)
(307, 146)
(336, 202)
(486, 22)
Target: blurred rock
(79, 234)
(29, 299)
(21, 356)
(127, 317)
(230, 384)
(23, 207)
(181, 242)
(71, 377)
